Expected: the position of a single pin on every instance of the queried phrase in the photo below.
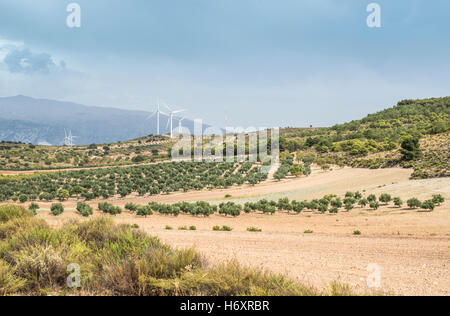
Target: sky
(260, 63)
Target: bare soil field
(411, 247)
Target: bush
(84, 209)
(428, 205)
(334, 210)
(438, 199)
(9, 211)
(398, 202)
(192, 228)
(414, 203)
(57, 209)
(385, 198)
(223, 228)
(356, 232)
(109, 208)
(374, 205)
(308, 231)
(230, 208)
(254, 229)
(363, 202)
(33, 208)
(23, 198)
(168, 227)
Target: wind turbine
(68, 138)
(170, 120)
(157, 113)
(179, 125)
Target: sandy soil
(410, 247)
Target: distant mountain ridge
(30, 120)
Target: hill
(375, 141)
(41, 121)
(20, 156)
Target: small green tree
(414, 203)
(372, 198)
(428, 205)
(296, 170)
(348, 207)
(57, 209)
(438, 199)
(385, 198)
(23, 198)
(33, 208)
(374, 205)
(398, 202)
(410, 148)
(63, 195)
(363, 202)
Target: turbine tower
(170, 120)
(157, 113)
(68, 138)
(179, 125)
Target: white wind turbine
(170, 120)
(179, 125)
(157, 113)
(68, 138)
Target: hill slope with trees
(414, 133)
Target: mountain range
(41, 121)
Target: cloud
(23, 60)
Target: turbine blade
(151, 115)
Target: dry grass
(119, 260)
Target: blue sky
(256, 62)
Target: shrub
(23, 198)
(348, 207)
(9, 211)
(356, 232)
(398, 202)
(131, 207)
(371, 198)
(230, 208)
(334, 210)
(374, 205)
(168, 227)
(414, 203)
(223, 228)
(84, 209)
(33, 208)
(192, 228)
(182, 228)
(109, 208)
(385, 198)
(336, 203)
(57, 209)
(363, 202)
(438, 199)
(254, 229)
(10, 283)
(308, 231)
(428, 205)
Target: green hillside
(375, 141)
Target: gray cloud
(23, 60)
